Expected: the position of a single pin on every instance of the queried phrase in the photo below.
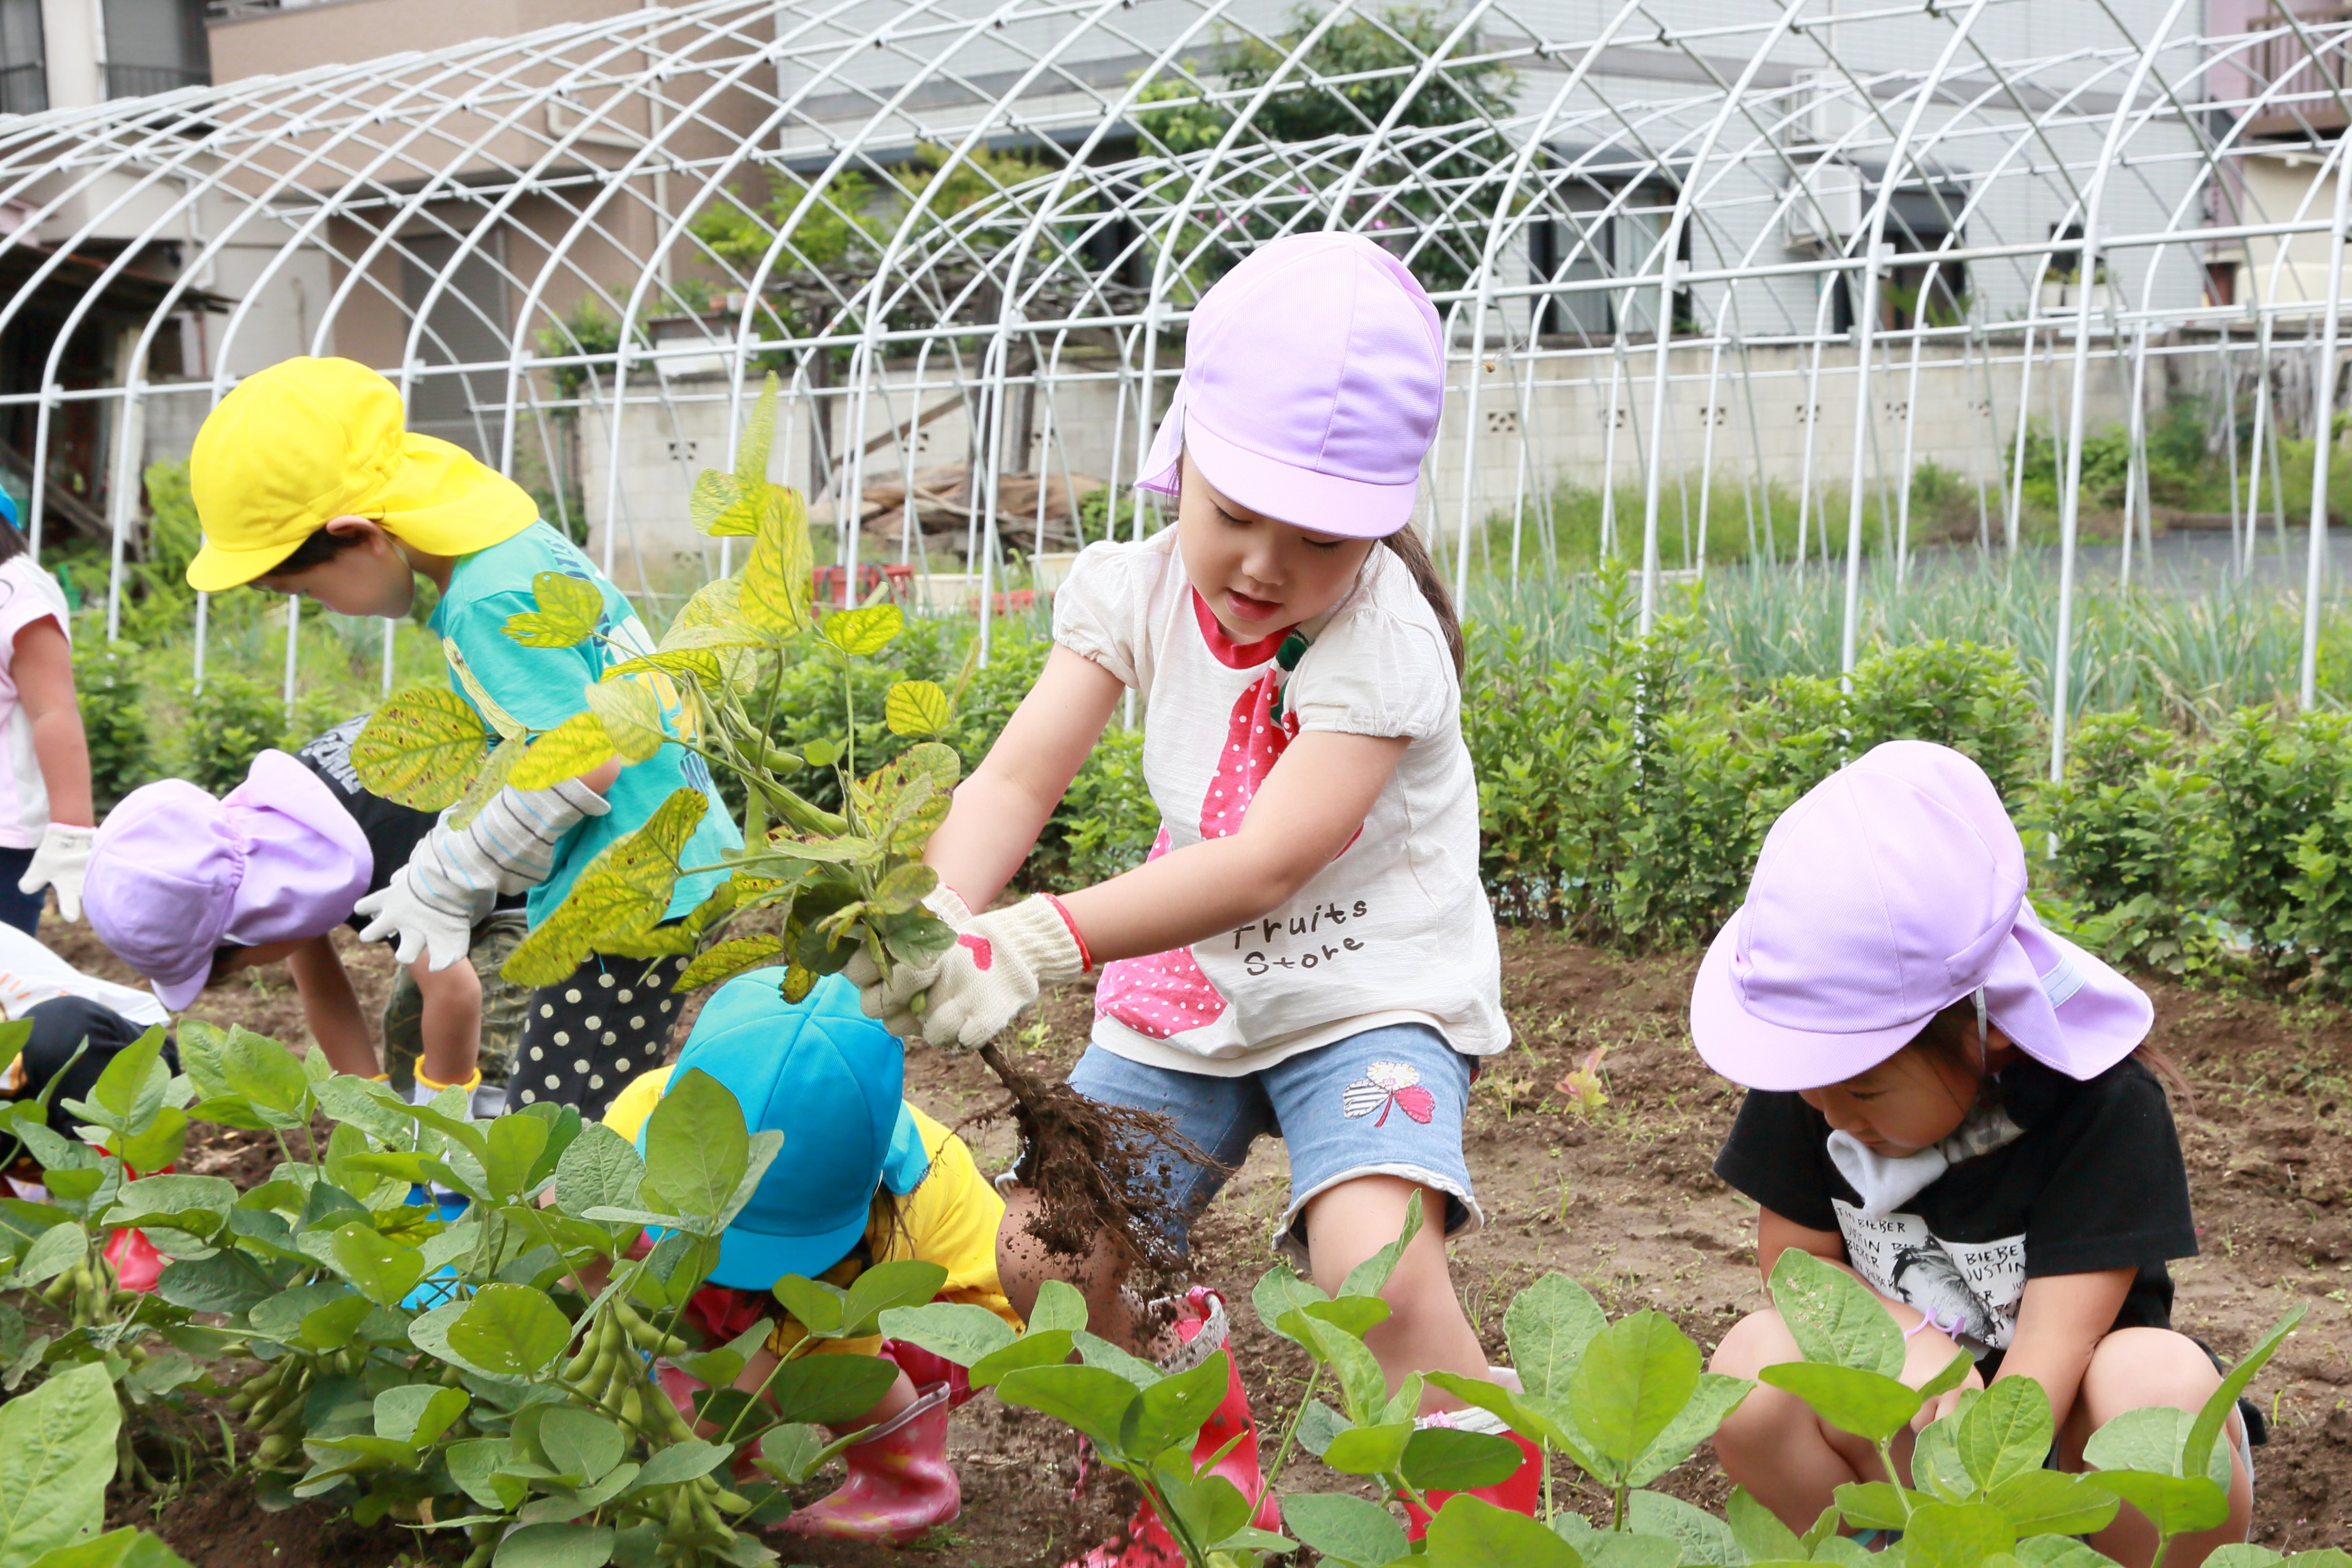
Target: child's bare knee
(2133, 1369)
(1758, 1340)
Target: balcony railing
(2314, 86)
(145, 81)
(23, 90)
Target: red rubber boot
(900, 1483)
(137, 1265)
(1145, 1543)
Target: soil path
(1621, 1198)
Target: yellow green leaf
(618, 900)
(863, 631)
(759, 434)
(496, 717)
(631, 712)
(569, 609)
(578, 745)
(799, 982)
(905, 888)
(421, 748)
(691, 664)
(719, 505)
(669, 940)
(487, 784)
(776, 583)
(917, 708)
(714, 606)
(726, 960)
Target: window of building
(154, 45)
(24, 69)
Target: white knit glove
(59, 862)
(456, 874)
(996, 969)
(886, 999)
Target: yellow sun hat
(310, 439)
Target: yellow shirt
(951, 1218)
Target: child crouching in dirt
(864, 1179)
(1953, 1104)
(1307, 951)
(191, 890)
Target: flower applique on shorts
(1385, 1086)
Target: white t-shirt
(1396, 928)
(31, 975)
(26, 594)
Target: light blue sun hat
(832, 1081)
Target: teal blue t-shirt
(540, 687)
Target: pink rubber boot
(1145, 1541)
(900, 1483)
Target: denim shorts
(1387, 1103)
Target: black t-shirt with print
(2094, 1182)
(393, 830)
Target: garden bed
(1621, 1198)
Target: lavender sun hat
(1313, 376)
(175, 873)
(1893, 889)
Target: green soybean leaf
(2243, 1555)
(1705, 1541)
(1955, 1535)
(1059, 1306)
(1523, 1413)
(2151, 1438)
(418, 1413)
(125, 1548)
(1874, 1505)
(2174, 1504)
(1632, 1380)
(330, 1327)
(1549, 1324)
(1352, 1315)
(1094, 1400)
(511, 1329)
(1447, 1458)
(1471, 1533)
(57, 1455)
(1097, 1351)
(1038, 1347)
(697, 1145)
(820, 1307)
(955, 1331)
(556, 1546)
(907, 1282)
(2006, 1431)
(1344, 1529)
(2197, 1451)
(580, 1442)
(420, 747)
(227, 1282)
(601, 1169)
(265, 1074)
(831, 1389)
(1370, 1450)
(1210, 1507)
(383, 1271)
(1833, 1317)
(1366, 1387)
(1617, 1548)
(1872, 1406)
(1715, 1397)
(515, 1143)
(917, 708)
(2048, 1503)
(1171, 1411)
(56, 1249)
(1371, 1277)
(2065, 1551)
(679, 1462)
(1280, 1293)
(1761, 1535)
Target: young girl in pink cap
(1307, 951)
(1957, 1106)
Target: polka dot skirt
(586, 1038)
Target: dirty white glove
(886, 999)
(999, 962)
(456, 874)
(59, 861)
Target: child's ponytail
(1410, 550)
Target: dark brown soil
(1619, 1197)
